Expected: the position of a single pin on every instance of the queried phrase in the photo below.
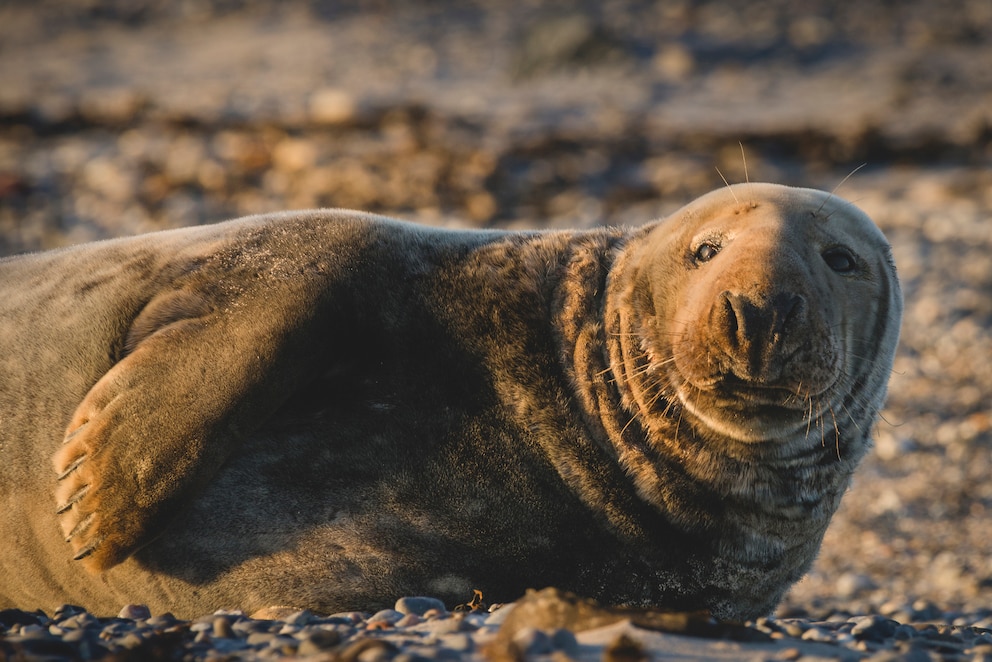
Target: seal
(329, 409)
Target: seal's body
(327, 409)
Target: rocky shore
(126, 117)
(543, 625)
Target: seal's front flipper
(200, 368)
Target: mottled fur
(328, 409)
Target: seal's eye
(706, 252)
(840, 260)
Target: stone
(135, 612)
(332, 106)
(418, 605)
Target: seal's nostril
(788, 310)
(731, 314)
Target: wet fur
(329, 410)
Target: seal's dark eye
(706, 252)
(840, 260)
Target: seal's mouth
(752, 411)
(731, 391)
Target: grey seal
(329, 409)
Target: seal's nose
(758, 328)
(766, 317)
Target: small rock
(223, 629)
(531, 641)
(874, 628)
(33, 631)
(818, 634)
(624, 649)
(67, 611)
(904, 632)
(318, 641)
(332, 106)
(442, 626)
(793, 629)
(497, 616)
(294, 155)
(275, 613)
(418, 605)
(851, 584)
(130, 640)
(79, 621)
(564, 640)
(408, 621)
(388, 616)
(459, 642)
(368, 650)
(135, 612)
(299, 618)
(260, 638)
(11, 617)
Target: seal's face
(783, 300)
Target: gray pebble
(246, 626)
(318, 641)
(65, 611)
(33, 632)
(229, 645)
(564, 640)
(259, 638)
(531, 641)
(793, 629)
(299, 618)
(418, 605)
(497, 616)
(904, 633)
(459, 642)
(162, 621)
(476, 619)
(388, 616)
(131, 640)
(222, 628)
(442, 626)
(79, 621)
(135, 612)
(818, 634)
(874, 628)
(408, 621)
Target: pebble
(387, 616)
(419, 605)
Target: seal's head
(760, 308)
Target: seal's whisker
(831, 195)
(850, 416)
(836, 431)
(845, 203)
(729, 187)
(819, 420)
(747, 178)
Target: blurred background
(127, 116)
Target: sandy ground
(125, 117)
